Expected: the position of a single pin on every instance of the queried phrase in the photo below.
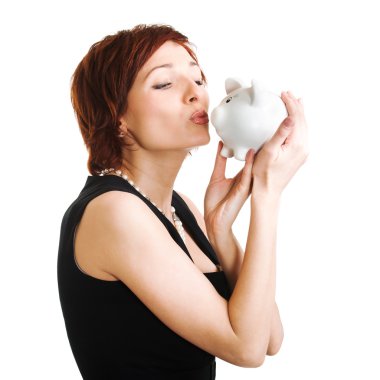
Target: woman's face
(167, 91)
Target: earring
(121, 127)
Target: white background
(328, 278)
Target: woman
(149, 287)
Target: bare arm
(227, 247)
(230, 255)
(237, 330)
(252, 302)
(159, 273)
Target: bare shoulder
(110, 206)
(90, 241)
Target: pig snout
(216, 117)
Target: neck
(154, 174)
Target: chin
(199, 139)
(205, 140)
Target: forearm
(229, 253)
(252, 302)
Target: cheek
(157, 122)
(206, 98)
(162, 112)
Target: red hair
(102, 81)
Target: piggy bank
(247, 117)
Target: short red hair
(102, 81)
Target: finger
(291, 103)
(220, 164)
(246, 176)
(242, 179)
(283, 132)
(299, 137)
(247, 163)
(295, 108)
(300, 105)
(299, 102)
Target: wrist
(219, 238)
(264, 193)
(264, 201)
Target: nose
(193, 92)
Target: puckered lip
(201, 114)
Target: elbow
(274, 346)
(247, 359)
(273, 350)
(255, 358)
(252, 362)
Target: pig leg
(240, 153)
(227, 152)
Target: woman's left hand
(225, 197)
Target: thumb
(220, 164)
(282, 133)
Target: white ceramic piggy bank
(247, 117)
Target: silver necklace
(176, 219)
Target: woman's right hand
(279, 158)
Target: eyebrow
(168, 66)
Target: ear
(122, 127)
(233, 84)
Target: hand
(281, 156)
(225, 197)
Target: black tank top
(112, 334)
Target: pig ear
(252, 91)
(233, 84)
(255, 89)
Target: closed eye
(162, 85)
(165, 85)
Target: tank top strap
(189, 220)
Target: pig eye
(228, 99)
